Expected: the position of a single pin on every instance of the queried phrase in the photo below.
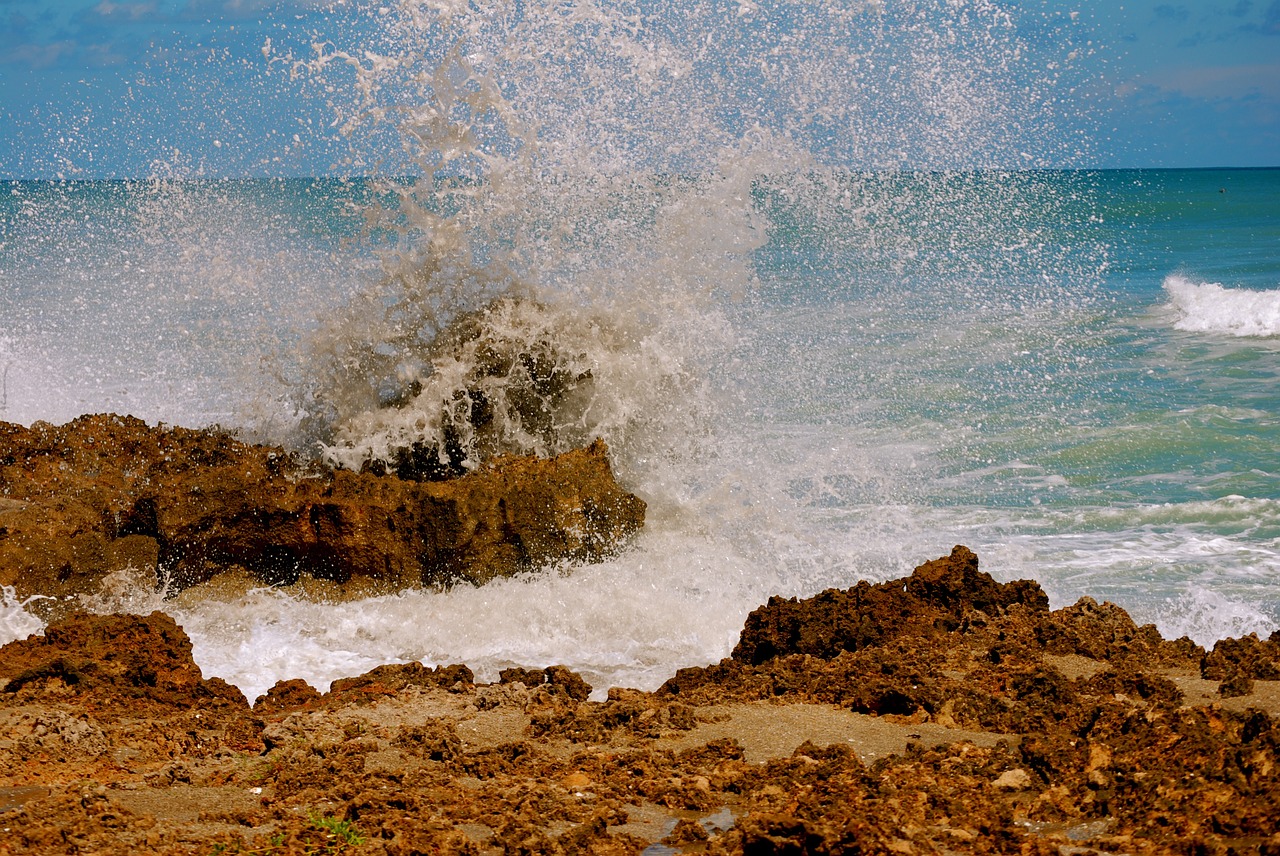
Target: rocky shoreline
(941, 713)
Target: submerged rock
(106, 494)
(515, 376)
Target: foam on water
(1203, 569)
(674, 600)
(1205, 614)
(1209, 307)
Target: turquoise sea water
(1074, 373)
(1100, 415)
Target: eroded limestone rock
(107, 493)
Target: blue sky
(94, 88)
(1188, 84)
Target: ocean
(813, 374)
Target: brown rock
(576, 781)
(110, 742)
(391, 679)
(107, 493)
(123, 654)
(686, 832)
(528, 677)
(934, 598)
(1016, 779)
(124, 667)
(1104, 631)
(1236, 685)
(293, 694)
(1248, 657)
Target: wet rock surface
(942, 713)
(107, 493)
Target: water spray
(4, 387)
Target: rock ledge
(107, 493)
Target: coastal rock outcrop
(100, 670)
(935, 598)
(948, 644)
(981, 723)
(107, 493)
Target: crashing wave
(515, 377)
(1208, 307)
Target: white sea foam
(1206, 615)
(675, 600)
(1205, 569)
(1209, 307)
(16, 622)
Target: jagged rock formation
(999, 726)
(107, 493)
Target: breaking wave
(1208, 307)
(591, 185)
